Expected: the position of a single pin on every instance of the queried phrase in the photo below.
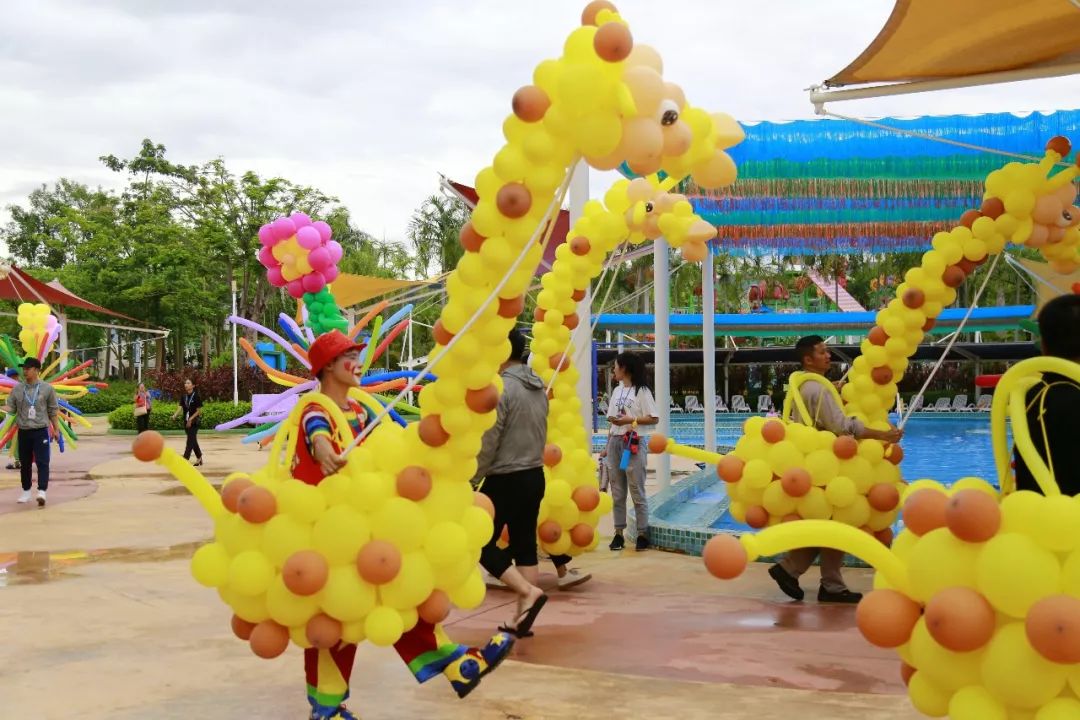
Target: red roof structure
(17, 285)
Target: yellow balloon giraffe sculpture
(980, 593)
(404, 498)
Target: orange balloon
(887, 617)
(580, 246)
(305, 572)
(530, 103)
(481, 500)
(883, 497)
(613, 42)
(845, 447)
(148, 446)
(773, 431)
(431, 431)
(414, 483)
(378, 562)
(483, 400)
(657, 443)
(877, 336)
(256, 504)
(646, 86)
(578, 295)
(571, 321)
(435, 609)
(881, 375)
(241, 628)
(725, 557)
(992, 207)
(796, 481)
(973, 516)
(470, 239)
(953, 276)
(885, 536)
(1053, 628)
(906, 671)
(642, 144)
(268, 639)
(552, 455)
(757, 516)
(678, 137)
(230, 493)
(695, 252)
(914, 298)
(513, 200)
(586, 497)
(894, 454)
(441, 335)
(791, 517)
(960, 619)
(581, 535)
(588, 15)
(730, 468)
(550, 531)
(924, 511)
(510, 308)
(323, 631)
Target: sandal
(523, 629)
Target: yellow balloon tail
(193, 480)
(830, 534)
(693, 453)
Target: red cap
(327, 348)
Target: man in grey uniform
(35, 406)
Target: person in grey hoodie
(511, 463)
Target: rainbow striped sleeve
(315, 423)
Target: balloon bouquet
(980, 593)
(392, 540)
(38, 332)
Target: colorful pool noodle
(276, 375)
(51, 366)
(296, 390)
(270, 334)
(354, 331)
(397, 374)
(367, 354)
(390, 337)
(292, 330)
(64, 375)
(258, 436)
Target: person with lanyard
(1053, 405)
(828, 415)
(191, 405)
(426, 649)
(632, 406)
(35, 406)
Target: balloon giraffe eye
(648, 207)
(668, 112)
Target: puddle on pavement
(179, 490)
(33, 567)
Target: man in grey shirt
(827, 415)
(35, 406)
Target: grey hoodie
(516, 440)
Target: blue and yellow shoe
(466, 672)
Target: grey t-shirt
(43, 398)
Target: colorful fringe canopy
(839, 187)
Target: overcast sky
(368, 101)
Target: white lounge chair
(960, 404)
(916, 403)
(764, 404)
(674, 406)
(738, 404)
(943, 404)
(601, 407)
(721, 406)
(693, 405)
(984, 403)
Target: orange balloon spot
(992, 207)
(953, 276)
(967, 265)
(883, 497)
(968, 218)
(241, 628)
(929, 325)
(378, 562)
(578, 295)
(230, 494)
(906, 672)
(657, 443)
(148, 446)
(470, 239)
(323, 631)
(513, 200)
(571, 321)
(586, 497)
(884, 536)
(581, 535)
(1059, 144)
(730, 468)
(435, 609)
(268, 639)
(960, 619)
(881, 375)
(539, 314)
(973, 516)
(914, 298)
(887, 617)
(894, 454)
(795, 481)
(414, 483)
(613, 42)
(549, 531)
(483, 400)
(552, 455)
(481, 500)
(845, 447)
(441, 335)
(757, 517)
(924, 511)
(791, 517)
(580, 246)
(588, 15)
(256, 504)
(305, 572)
(773, 431)
(1053, 628)
(431, 431)
(725, 557)
(559, 361)
(511, 307)
(877, 335)
(530, 103)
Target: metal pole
(235, 371)
(708, 348)
(661, 308)
(582, 335)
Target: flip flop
(524, 626)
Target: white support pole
(235, 370)
(63, 346)
(582, 335)
(708, 348)
(661, 309)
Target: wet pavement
(101, 619)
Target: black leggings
(142, 422)
(516, 497)
(192, 442)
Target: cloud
(368, 100)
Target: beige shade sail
(1049, 283)
(349, 289)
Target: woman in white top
(631, 406)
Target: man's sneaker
(642, 543)
(25, 497)
(845, 596)
(41, 498)
(788, 583)
(572, 578)
(617, 543)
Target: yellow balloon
(1062, 708)
(210, 565)
(302, 501)
(479, 526)
(926, 697)
(412, 585)
(939, 560)
(346, 596)
(283, 537)
(840, 491)
(1016, 674)
(250, 573)
(976, 703)
(384, 626)
(446, 543)
(340, 533)
(469, 594)
(286, 608)
(402, 522)
(1014, 572)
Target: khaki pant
(629, 481)
(799, 561)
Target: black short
(516, 497)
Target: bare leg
(526, 591)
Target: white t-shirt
(626, 402)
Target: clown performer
(426, 649)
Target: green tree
(433, 233)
